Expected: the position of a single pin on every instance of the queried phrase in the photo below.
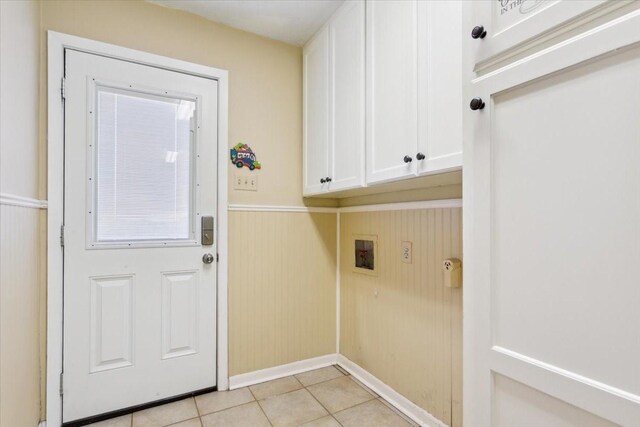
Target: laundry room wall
(265, 112)
(20, 215)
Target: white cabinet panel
(346, 150)
(316, 112)
(512, 24)
(551, 229)
(392, 93)
(439, 86)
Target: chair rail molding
(7, 199)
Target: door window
(143, 180)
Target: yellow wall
(19, 226)
(265, 78)
(283, 309)
(265, 111)
(282, 301)
(403, 325)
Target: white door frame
(57, 43)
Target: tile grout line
(344, 409)
(260, 406)
(195, 402)
(320, 403)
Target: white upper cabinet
(316, 113)
(346, 147)
(439, 87)
(392, 89)
(506, 28)
(334, 103)
(389, 105)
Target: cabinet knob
(420, 156)
(476, 104)
(327, 179)
(322, 180)
(478, 32)
(407, 159)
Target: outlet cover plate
(245, 182)
(407, 253)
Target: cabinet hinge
(61, 380)
(62, 235)
(217, 257)
(63, 92)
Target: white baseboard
(255, 377)
(400, 402)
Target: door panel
(552, 237)
(392, 102)
(111, 322)
(347, 97)
(139, 304)
(180, 321)
(316, 113)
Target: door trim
(57, 43)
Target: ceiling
(290, 21)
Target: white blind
(143, 167)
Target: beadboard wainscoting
(20, 311)
(403, 325)
(282, 278)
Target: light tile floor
(325, 397)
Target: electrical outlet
(245, 182)
(406, 255)
(452, 272)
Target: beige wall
(282, 301)
(19, 226)
(265, 111)
(265, 89)
(403, 325)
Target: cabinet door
(515, 25)
(439, 86)
(551, 234)
(392, 102)
(346, 150)
(316, 113)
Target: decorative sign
(243, 155)
(365, 247)
(508, 13)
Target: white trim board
(394, 398)
(268, 374)
(7, 199)
(57, 43)
(265, 208)
(426, 204)
(397, 400)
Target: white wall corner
(268, 374)
(400, 402)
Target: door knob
(420, 156)
(327, 179)
(207, 258)
(478, 32)
(322, 180)
(407, 159)
(476, 104)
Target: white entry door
(140, 176)
(552, 215)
